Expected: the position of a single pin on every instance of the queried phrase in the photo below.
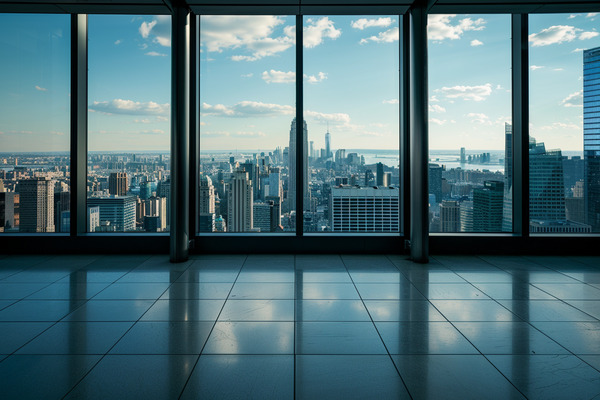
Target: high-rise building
(487, 207)
(435, 181)
(9, 211)
(507, 214)
(36, 205)
(591, 135)
(463, 155)
(275, 212)
(119, 211)
(93, 218)
(340, 156)
(546, 186)
(449, 216)
(145, 190)
(157, 207)
(239, 203)
(466, 216)
(117, 183)
(274, 183)
(206, 196)
(62, 202)
(380, 177)
(366, 209)
(164, 190)
(292, 168)
(328, 153)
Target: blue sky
(248, 72)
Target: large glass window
(129, 131)
(564, 141)
(247, 124)
(34, 123)
(470, 132)
(351, 107)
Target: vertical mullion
(299, 128)
(404, 110)
(79, 93)
(194, 170)
(520, 113)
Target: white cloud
(368, 23)
(437, 121)
(41, 89)
(159, 29)
(572, 16)
(534, 67)
(554, 35)
(440, 26)
(315, 32)
(588, 35)
(591, 15)
(321, 76)
(251, 34)
(118, 42)
(560, 125)
(389, 36)
(161, 118)
(336, 118)
(273, 76)
(142, 121)
(479, 118)
(129, 107)
(435, 108)
(247, 109)
(475, 93)
(558, 69)
(476, 42)
(57, 133)
(152, 132)
(391, 101)
(249, 75)
(155, 54)
(433, 99)
(573, 100)
(577, 50)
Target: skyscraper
(119, 211)
(487, 207)
(507, 208)
(435, 182)
(292, 168)
(591, 135)
(36, 205)
(449, 216)
(117, 183)
(546, 187)
(367, 209)
(240, 203)
(206, 204)
(380, 178)
(328, 153)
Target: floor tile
(547, 377)
(77, 338)
(37, 275)
(42, 376)
(164, 338)
(361, 276)
(68, 291)
(251, 338)
(388, 291)
(453, 376)
(450, 291)
(571, 291)
(39, 310)
(6, 303)
(155, 377)
(331, 310)
(423, 338)
(258, 310)
(241, 377)
(591, 307)
(132, 291)
(434, 276)
(262, 291)
(265, 276)
(577, 337)
(193, 290)
(184, 310)
(325, 291)
(16, 334)
(338, 338)
(323, 276)
(18, 291)
(348, 377)
(209, 275)
(486, 276)
(473, 310)
(545, 310)
(146, 276)
(508, 338)
(513, 291)
(110, 310)
(402, 310)
(593, 360)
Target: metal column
(300, 195)
(180, 134)
(419, 143)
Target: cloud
(573, 100)
(577, 50)
(437, 121)
(321, 76)
(118, 42)
(554, 35)
(591, 15)
(239, 134)
(19, 132)
(588, 35)
(130, 107)
(440, 26)
(479, 118)
(558, 69)
(155, 54)
(534, 67)
(152, 132)
(247, 109)
(368, 23)
(389, 36)
(560, 125)
(159, 30)
(336, 118)
(57, 133)
(161, 118)
(142, 121)
(433, 99)
(476, 42)
(475, 93)
(572, 16)
(273, 76)
(436, 108)
(250, 34)
(41, 89)
(315, 32)
(391, 101)
(249, 75)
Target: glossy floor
(306, 327)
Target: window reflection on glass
(351, 108)
(34, 127)
(564, 141)
(470, 131)
(129, 131)
(247, 124)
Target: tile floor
(306, 327)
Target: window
(34, 128)
(129, 112)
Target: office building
(9, 211)
(145, 190)
(240, 203)
(36, 204)
(546, 185)
(119, 211)
(62, 203)
(449, 216)
(292, 167)
(380, 175)
(591, 135)
(93, 218)
(488, 207)
(157, 207)
(435, 182)
(364, 209)
(117, 184)
(328, 153)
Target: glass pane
(351, 107)
(247, 105)
(470, 132)
(564, 108)
(34, 123)
(129, 131)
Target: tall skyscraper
(328, 153)
(117, 183)
(292, 168)
(449, 216)
(487, 207)
(62, 203)
(145, 190)
(36, 205)
(591, 135)
(507, 213)
(435, 182)
(380, 178)
(546, 187)
(119, 211)
(240, 203)
(206, 196)
(366, 209)
(9, 211)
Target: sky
(247, 75)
